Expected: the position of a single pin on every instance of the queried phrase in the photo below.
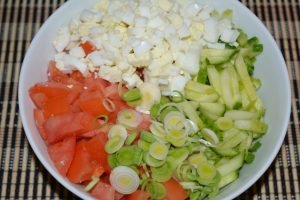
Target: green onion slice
(129, 118)
(114, 144)
(156, 190)
(117, 130)
(158, 150)
(109, 105)
(92, 184)
(103, 118)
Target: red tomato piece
(93, 84)
(68, 124)
(80, 170)
(119, 105)
(54, 74)
(92, 102)
(112, 92)
(103, 191)
(62, 154)
(174, 190)
(60, 127)
(88, 47)
(145, 125)
(139, 195)
(40, 119)
(76, 89)
(77, 76)
(41, 92)
(56, 106)
(90, 159)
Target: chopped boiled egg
(163, 36)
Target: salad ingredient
(174, 190)
(124, 180)
(158, 151)
(91, 184)
(130, 138)
(103, 191)
(159, 100)
(139, 195)
(117, 131)
(114, 144)
(130, 118)
(62, 154)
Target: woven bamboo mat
(21, 174)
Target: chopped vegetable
(124, 180)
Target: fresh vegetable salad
(151, 100)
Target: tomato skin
(174, 190)
(139, 195)
(92, 102)
(103, 191)
(54, 74)
(68, 124)
(95, 84)
(112, 93)
(145, 125)
(41, 92)
(56, 106)
(62, 154)
(39, 120)
(90, 159)
(88, 47)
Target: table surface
(22, 176)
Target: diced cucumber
(191, 113)
(228, 152)
(256, 126)
(233, 164)
(217, 56)
(241, 69)
(233, 141)
(228, 178)
(213, 108)
(195, 96)
(199, 87)
(240, 114)
(214, 78)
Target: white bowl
(270, 68)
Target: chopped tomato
(88, 47)
(112, 92)
(119, 105)
(68, 124)
(90, 158)
(62, 154)
(174, 190)
(56, 106)
(40, 119)
(76, 89)
(103, 191)
(118, 196)
(139, 195)
(77, 76)
(93, 84)
(41, 92)
(145, 125)
(92, 133)
(54, 74)
(92, 102)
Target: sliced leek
(129, 118)
(124, 180)
(158, 150)
(114, 144)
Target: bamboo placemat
(21, 174)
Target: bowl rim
(81, 194)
